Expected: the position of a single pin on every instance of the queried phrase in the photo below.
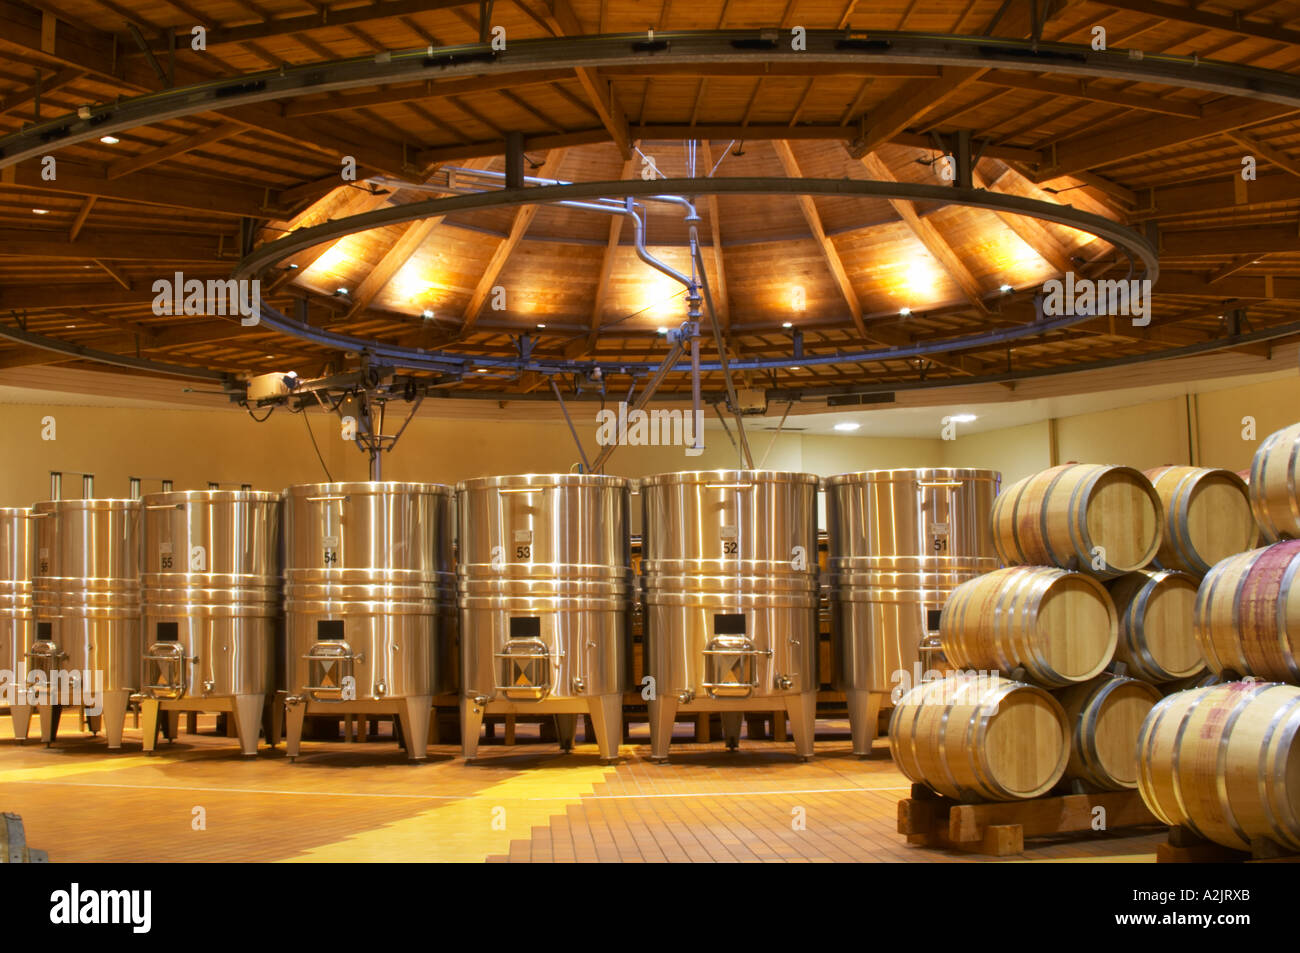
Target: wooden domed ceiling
(827, 274)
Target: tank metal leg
(471, 724)
(607, 725)
(277, 719)
(566, 729)
(731, 728)
(295, 714)
(114, 716)
(22, 718)
(49, 715)
(663, 715)
(802, 709)
(414, 717)
(149, 711)
(864, 714)
(248, 719)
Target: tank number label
(44, 557)
(331, 551)
(165, 556)
(523, 552)
(523, 536)
(729, 532)
(730, 547)
(939, 529)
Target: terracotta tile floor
(526, 802)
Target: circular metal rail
(1137, 248)
(835, 47)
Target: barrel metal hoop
(1032, 650)
(1175, 771)
(1283, 636)
(1292, 502)
(1146, 746)
(1089, 715)
(1077, 521)
(1221, 760)
(1284, 833)
(1241, 665)
(1137, 611)
(1052, 555)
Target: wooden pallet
(1000, 829)
(1186, 847)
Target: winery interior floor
(197, 800)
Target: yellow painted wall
(1015, 451)
(1145, 436)
(1273, 405)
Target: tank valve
(208, 685)
(381, 689)
(686, 697)
(783, 682)
(579, 684)
(480, 700)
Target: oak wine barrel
(1207, 517)
(980, 738)
(1273, 492)
(1059, 626)
(1224, 762)
(1105, 717)
(1247, 617)
(1099, 519)
(1155, 610)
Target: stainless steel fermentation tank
(211, 596)
(86, 604)
(369, 604)
(545, 584)
(16, 624)
(900, 542)
(729, 592)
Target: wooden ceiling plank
(1030, 231)
(87, 204)
(929, 236)
(22, 97)
(523, 217)
(1265, 151)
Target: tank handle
(164, 506)
(520, 489)
(329, 499)
(935, 484)
(729, 486)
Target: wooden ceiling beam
(414, 235)
(1235, 22)
(1090, 92)
(1030, 231)
(78, 222)
(1221, 193)
(1102, 147)
(1250, 241)
(1232, 268)
(523, 217)
(129, 164)
(1257, 287)
(417, 92)
(721, 299)
(46, 85)
(924, 229)
(1265, 151)
(909, 105)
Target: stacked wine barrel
(1222, 759)
(1042, 634)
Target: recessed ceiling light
(480, 370)
(291, 267)
(541, 325)
(847, 426)
(40, 211)
(962, 418)
(340, 291)
(904, 311)
(661, 330)
(787, 324)
(69, 325)
(1005, 288)
(109, 140)
(797, 367)
(426, 314)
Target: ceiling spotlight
(661, 330)
(797, 367)
(291, 267)
(541, 325)
(40, 211)
(847, 426)
(904, 311)
(109, 140)
(480, 370)
(787, 324)
(69, 325)
(426, 314)
(340, 291)
(1004, 288)
(962, 418)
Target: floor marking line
(450, 797)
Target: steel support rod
(586, 466)
(670, 359)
